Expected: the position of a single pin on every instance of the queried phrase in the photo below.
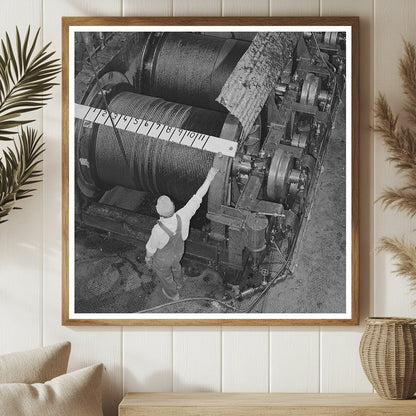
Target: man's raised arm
(194, 203)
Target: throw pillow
(35, 366)
(73, 394)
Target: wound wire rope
(116, 132)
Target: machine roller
(187, 67)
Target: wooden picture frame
(79, 97)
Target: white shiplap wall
(302, 359)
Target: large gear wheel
(310, 90)
(278, 179)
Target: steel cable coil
(189, 68)
(155, 165)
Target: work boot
(180, 282)
(174, 297)
(177, 274)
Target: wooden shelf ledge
(262, 404)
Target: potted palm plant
(26, 78)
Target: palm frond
(25, 79)
(18, 169)
(405, 256)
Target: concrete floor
(109, 278)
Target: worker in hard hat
(164, 249)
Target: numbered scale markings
(157, 130)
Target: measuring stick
(157, 130)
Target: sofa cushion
(35, 366)
(73, 394)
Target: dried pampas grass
(405, 255)
(401, 143)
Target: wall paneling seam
(320, 360)
(42, 277)
(221, 358)
(269, 355)
(172, 358)
(122, 360)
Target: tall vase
(388, 356)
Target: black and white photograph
(209, 173)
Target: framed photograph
(210, 171)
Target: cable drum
(190, 68)
(155, 165)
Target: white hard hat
(165, 207)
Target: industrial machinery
(149, 88)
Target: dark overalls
(166, 260)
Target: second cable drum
(188, 68)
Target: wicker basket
(388, 356)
